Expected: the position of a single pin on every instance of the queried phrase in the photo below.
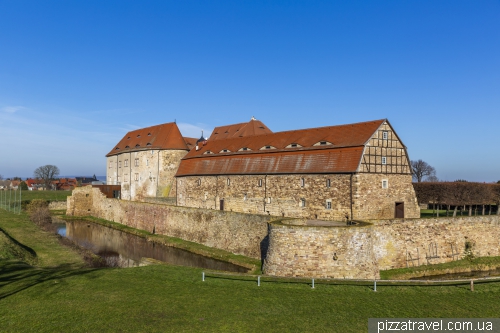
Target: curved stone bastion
(321, 249)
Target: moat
(121, 249)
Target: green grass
(49, 253)
(57, 297)
(46, 195)
(463, 265)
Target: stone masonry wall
(234, 232)
(278, 195)
(371, 201)
(145, 173)
(361, 252)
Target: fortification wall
(301, 250)
(361, 252)
(235, 232)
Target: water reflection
(461, 276)
(121, 249)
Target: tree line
(459, 196)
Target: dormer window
(207, 152)
(149, 134)
(137, 145)
(127, 147)
(117, 148)
(293, 145)
(128, 138)
(244, 149)
(225, 151)
(267, 148)
(138, 135)
(148, 144)
(323, 143)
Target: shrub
(38, 211)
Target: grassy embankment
(57, 296)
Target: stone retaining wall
(361, 252)
(234, 232)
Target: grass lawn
(57, 296)
(47, 195)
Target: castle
(345, 172)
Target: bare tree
(421, 170)
(47, 174)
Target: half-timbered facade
(353, 171)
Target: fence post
(375, 285)
(203, 276)
(312, 283)
(471, 285)
(258, 281)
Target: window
(147, 162)
(385, 183)
(328, 183)
(260, 182)
(136, 162)
(384, 160)
(152, 152)
(302, 202)
(269, 200)
(120, 164)
(245, 197)
(302, 182)
(328, 204)
(198, 181)
(110, 165)
(385, 135)
(228, 182)
(136, 178)
(126, 163)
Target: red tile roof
(164, 136)
(253, 127)
(329, 149)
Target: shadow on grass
(16, 276)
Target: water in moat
(461, 276)
(122, 249)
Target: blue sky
(75, 76)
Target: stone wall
(326, 196)
(362, 251)
(146, 173)
(234, 232)
(372, 201)
(56, 205)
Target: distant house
(34, 184)
(4, 184)
(87, 180)
(64, 184)
(14, 184)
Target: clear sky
(75, 76)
